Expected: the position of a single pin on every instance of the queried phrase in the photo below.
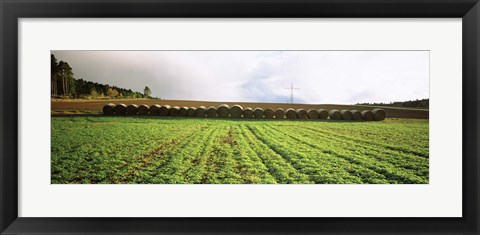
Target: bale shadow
(211, 118)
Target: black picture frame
(12, 10)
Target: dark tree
(423, 103)
(53, 75)
(147, 92)
(65, 73)
(63, 83)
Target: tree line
(65, 85)
(423, 103)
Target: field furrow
(177, 160)
(88, 154)
(368, 160)
(157, 150)
(277, 166)
(397, 158)
(221, 165)
(249, 165)
(393, 139)
(321, 168)
(197, 168)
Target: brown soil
(98, 105)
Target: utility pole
(291, 88)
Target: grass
(73, 111)
(143, 150)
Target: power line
(291, 88)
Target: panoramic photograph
(239, 117)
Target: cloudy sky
(324, 77)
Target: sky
(323, 77)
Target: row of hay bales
(236, 111)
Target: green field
(142, 150)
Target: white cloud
(322, 76)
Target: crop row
(221, 151)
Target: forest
(423, 103)
(64, 85)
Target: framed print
(239, 117)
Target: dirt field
(97, 105)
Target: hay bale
(367, 115)
(322, 114)
(312, 114)
(302, 114)
(120, 109)
(236, 111)
(212, 112)
(132, 109)
(182, 112)
(269, 113)
(379, 114)
(356, 115)
(279, 113)
(201, 111)
(248, 113)
(335, 114)
(223, 111)
(108, 109)
(258, 113)
(153, 110)
(291, 114)
(346, 115)
(143, 109)
(174, 111)
(191, 112)
(164, 110)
